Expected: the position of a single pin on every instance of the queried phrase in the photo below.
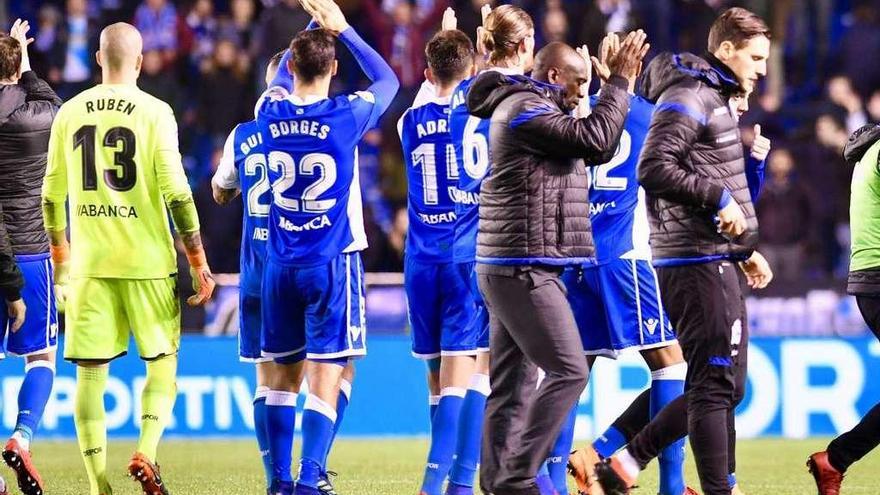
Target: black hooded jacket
(693, 154)
(534, 206)
(26, 113)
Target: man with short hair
(444, 332)
(702, 224)
(113, 152)
(313, 289)
(27, 108)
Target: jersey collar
(308, 100)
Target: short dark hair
(312, 53)
(450, 54)
(276, 59)
(10, 56)
(738, 26)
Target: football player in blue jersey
(243, 170)
(615, 301)
(440, 307)
(313, 289)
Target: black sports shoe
(324, 485)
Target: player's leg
(533, 307)
(153, 312)
(626, 426)
(740, 368)
(335, 332)
(345, 388)
(472, 329)
(36, 340)
(250, 325)
(668, 371)
(283, 339)
(97, 331)
(829, 466)
(433, 377)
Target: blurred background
(207, 59)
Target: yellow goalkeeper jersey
(113, 153)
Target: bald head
(120, 49)
(557, 63)
(556, 55)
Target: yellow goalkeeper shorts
(102, 313)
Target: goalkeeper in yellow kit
(113, 153)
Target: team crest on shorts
(651, 324)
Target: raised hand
(327, 14)
(627, 60)
(19, 32)
(760, 146)
(449, 22)
(485, 10)
(610, 45)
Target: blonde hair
(505, 28)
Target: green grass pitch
(393, 467)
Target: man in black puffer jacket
(27, 108)
(534, 220)
(702, 224)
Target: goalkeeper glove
(61, 266)
(202, 280)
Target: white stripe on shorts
(638, 302)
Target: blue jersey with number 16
(431, 174)
(311, 147)
(470, 136)
(243, 166)
(617, 203)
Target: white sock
(629, 464)
(22, 441)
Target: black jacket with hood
(534, 206)
(26, 113)
(692, 155)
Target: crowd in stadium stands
(207, 59)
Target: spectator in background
(842, 94)
(48, 25)
(71, 57)
(158, 83)
(224, 95)
(203, 28)
(554, 25)
(826, 173)
(370, 175)
(221, 236)
(873, 107)
(239, 24)
(157, 22)
(400, 37)
(784, 214)
(860, 40)
(276, 27)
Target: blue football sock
(444, 428)
(317, 433)
(542, 479)
(609, 442)
(470, 429)
(33, 396)
(731, 480)
(433, 402)
(341, 404)
(666, 385)
(280, 420)
(260, 429)
(558, 460)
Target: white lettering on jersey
(432, 127)
(313, 224)
(435, 218)
(463, 197)
(299, 127)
